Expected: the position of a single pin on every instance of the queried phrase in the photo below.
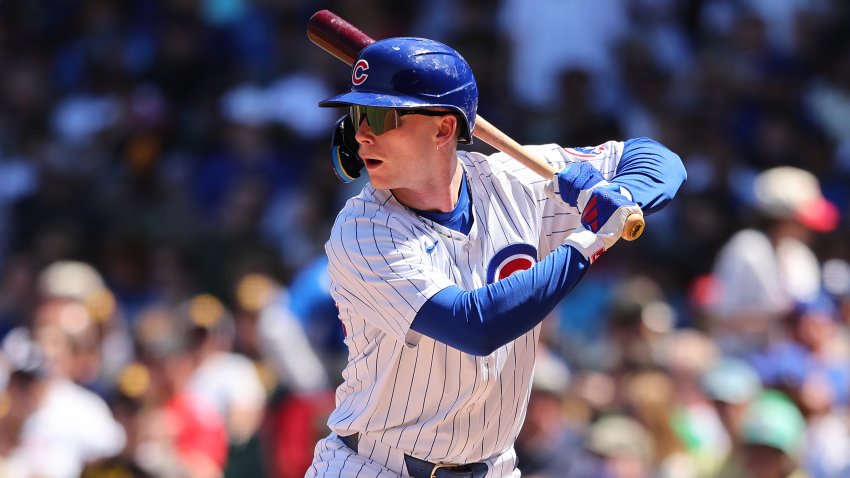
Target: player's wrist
(587, 243)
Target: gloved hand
(576, 178)
(606, 213)
(604, 207)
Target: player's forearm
(480, 321)
(651, 172)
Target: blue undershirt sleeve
(480, 321)
(651, 172)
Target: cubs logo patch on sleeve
(510, 259)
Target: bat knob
(634, 227)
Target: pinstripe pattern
(408, 392)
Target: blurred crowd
(166, 192)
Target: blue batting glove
(601, 203)
(574, 179)
(604, 206)
(606, 210)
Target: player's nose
(364, 133)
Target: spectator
(731, 384)
(54, 427)
(617, 447)
(804, 366)
(551, 37)
(227, 380)
(763, 271)
(183, 432)
(771, 440)
(649, 398)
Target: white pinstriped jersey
(408, 391)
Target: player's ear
(448, 130)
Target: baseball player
(445, 264)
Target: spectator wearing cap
(790, 363)
(806, 369)
(762, 272)
(806, 356)
(228, 380)
(617, 446)
(731, 384)
(182, 432)
(73, 299)
(772, 440)
(685, 356)
(53, 427)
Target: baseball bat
(345, 41)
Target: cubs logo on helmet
(512, 258)
(358, 73)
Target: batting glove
(576, 178)
(606, 213)
(580, 184)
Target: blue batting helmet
(413, 73)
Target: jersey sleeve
(379, 271)
(481, 320)
(651, 172)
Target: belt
(425, 469)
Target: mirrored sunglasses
(381, 120)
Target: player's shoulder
(499, 161)
(501, 165)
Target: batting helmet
(413, 73)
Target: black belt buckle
(422, 469)
(453, 471)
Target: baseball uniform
(405, 393)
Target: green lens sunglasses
(382, 120)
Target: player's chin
(377, 173)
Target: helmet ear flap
(346, 162)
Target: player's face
(398, 157)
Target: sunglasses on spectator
(381, 120)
